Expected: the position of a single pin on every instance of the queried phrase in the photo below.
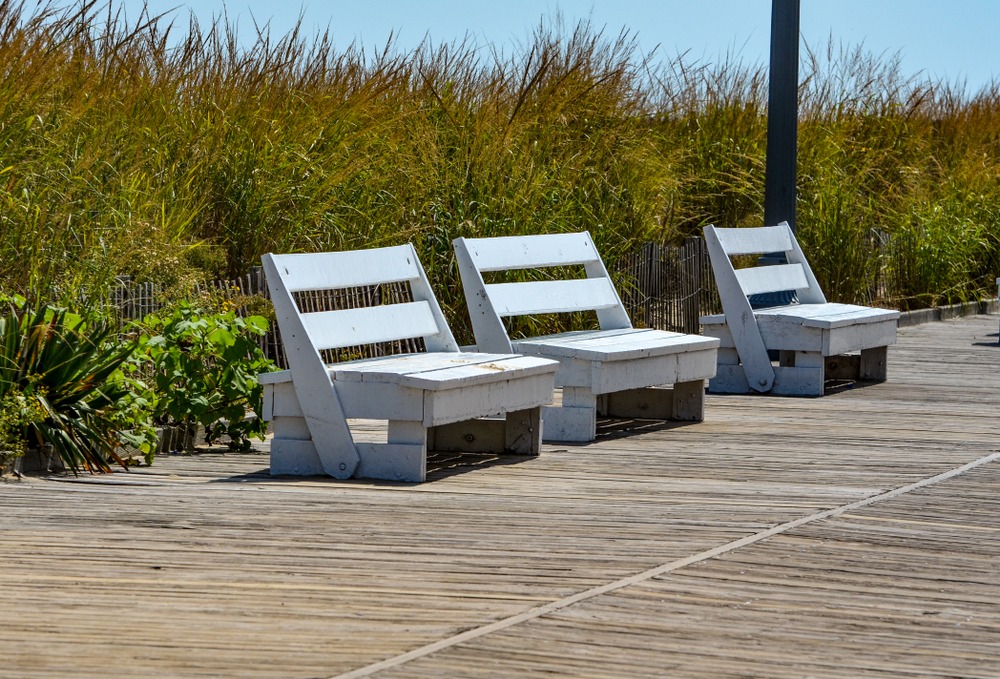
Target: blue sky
(947, 40)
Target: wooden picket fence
(667, 287)
(135, 300)
(662, 286)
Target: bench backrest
(759, 280)
(489, 303)
(420, 318)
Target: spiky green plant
(67, 369)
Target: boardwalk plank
(205, 566)
(872, 593)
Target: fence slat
(666, 287)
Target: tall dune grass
(168, 152)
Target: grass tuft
(164, 152)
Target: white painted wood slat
(764, 279)
(395, 368)
(404, 364)
(637, 344)
(441, 371)
(545, 250)
(275, 377)
(754, 241)
(336, 270)
(829, 315)
(481, 373)
(368, 325)
(859, 337)
(584, 335)
(548, 297)
(848, 314)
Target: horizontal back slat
(753, 241)
(370, 325)
(335, 270)
(776, 278)
(549, 297)
(531, 252)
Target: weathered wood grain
(903, 588)
(203, 565)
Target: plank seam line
(651, 573)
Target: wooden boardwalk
(855, 535)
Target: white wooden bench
(814, 340)
(608, 371)
(432, 400)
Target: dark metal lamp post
(782, 132)
(782, 114)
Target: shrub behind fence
(662, 287)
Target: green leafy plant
(203, 368)
(18, 409)
(61, 384)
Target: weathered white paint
(740, 320)
(310, 403)
(616, 358)
(807, 333)
(350, 269)
(368, 325)
(764, 279)
(540, 251)
(746, 242)
(321, 408)
(549, 297)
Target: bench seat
(827, 328)
(451, 386)
(614, 360)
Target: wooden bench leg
(523, 432)
(402, 458)
(689, 401)
(842, 367)
(869, 366)
(519, 433)
(729, 376)
(294, 457)
(799, 374)
(575, 420)
(874, 364)
(685, 401)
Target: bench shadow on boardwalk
(856, 534)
